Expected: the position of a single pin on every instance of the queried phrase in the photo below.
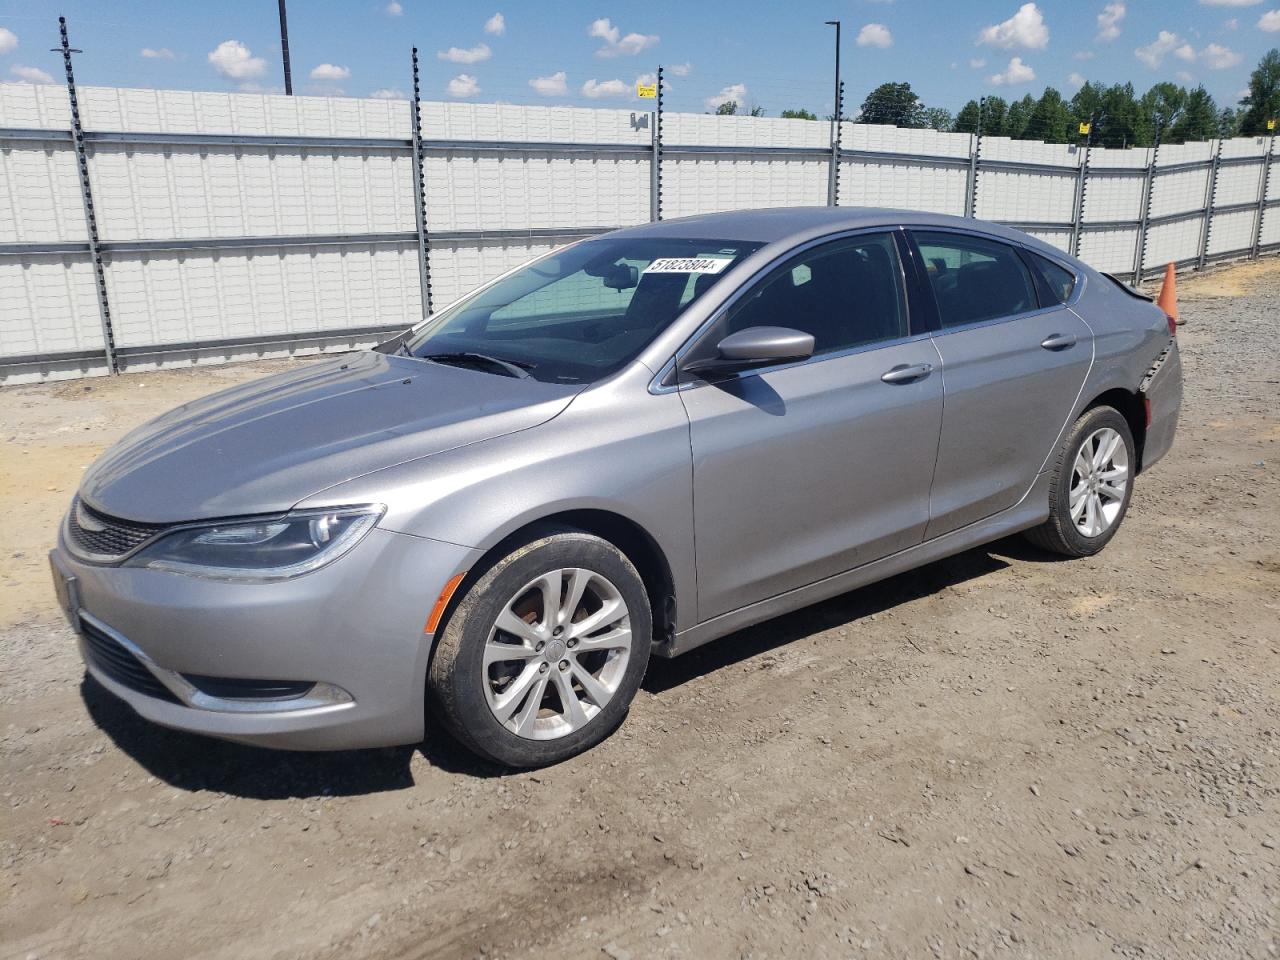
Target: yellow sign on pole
(647, 91)
(1271, 124)
(1085, 128)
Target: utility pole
(835, 123)
(284, 49)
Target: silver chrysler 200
(632, 445)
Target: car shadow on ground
(190, 762)
(848, 608)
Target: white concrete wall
(498, 179)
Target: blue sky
(773, 54)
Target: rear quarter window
(1059, 281)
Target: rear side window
(975, 279)
(1058, 280)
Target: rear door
(807, 469)
(1014, 359)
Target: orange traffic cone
(1168, 299)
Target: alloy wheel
(557, 653)
(1099, 480)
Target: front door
(808, 469)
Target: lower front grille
(120, 665)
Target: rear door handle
(1059, 341)
(904, 373)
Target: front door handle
(904, 373)
(1059, 341)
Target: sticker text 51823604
(687, 265)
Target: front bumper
(354, 629)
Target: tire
(512, 706)
(1078, 535)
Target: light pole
(284, 49)
(835, 123)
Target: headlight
(261, 550)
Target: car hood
(263, 446)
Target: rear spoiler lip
(1132, 291)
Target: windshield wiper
(516, 368)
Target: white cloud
(1024, 29)
(1153, 53)
(595, 89)
(1076, 80)
(496, 25)
(1230, 3)
(1109, 21)
(555, 85)
(463, 85)
(1084, 55)
(681, 69)
(875, 35)
(1231, 24)
(231, 58)
(1270, 21)
(8, 41)
(1185, 76)
(30, 74)
(480, 52)
(1217, 57)
(151, 53)
(388, 93)
(977, 63)
(330, 71)
(1016, 73)
(736, 92)
(615, 44)
(393, 9)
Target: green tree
(756, 111)
(1051, 119)
(995, 117)
(967, 118)
(727, 109)
(937, 118)
(1163, 105)
(892, 103)
(1263, 102)
(1015, 123)
(799, 114)
(1117, 116)
(1199, 119)
(1230, 122)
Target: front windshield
(580, 313)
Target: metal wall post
(86, 196)
(1140, 251)
(420, 195)
(971, 188)
(1262, 199)
(655, 163)
(284, 51)
(1077, 220)
(1209, 194)
(833, 174)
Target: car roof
(797, 224)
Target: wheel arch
(1133, 408)
(625, 533)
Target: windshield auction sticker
(687, 265)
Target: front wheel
(543, 655)
(1091, 485)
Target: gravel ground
(997, 755)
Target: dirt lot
(997, 755)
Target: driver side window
(847, 293)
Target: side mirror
(756, 347)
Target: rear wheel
(543, 655)
(1091, 485)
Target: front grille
(120, 665)
(104, 537)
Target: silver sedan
(630, 446)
